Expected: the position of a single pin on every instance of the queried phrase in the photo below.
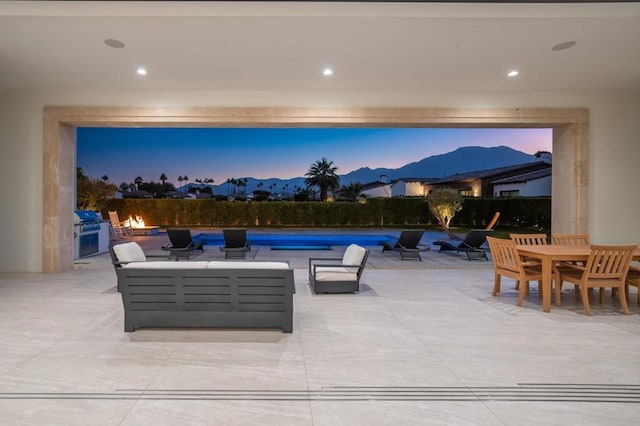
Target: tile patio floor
(423, 343)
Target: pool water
(306, 241)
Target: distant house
(532, 184)
(481, 183)
(136, 194)
(410, 187)
(376, 189)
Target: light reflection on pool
(301, 241)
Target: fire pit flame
(134, 223)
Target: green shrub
(376, 212)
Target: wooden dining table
(550, 254)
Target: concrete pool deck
(298, 259)
(423, 343)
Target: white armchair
(338, 275)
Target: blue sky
(221, 153)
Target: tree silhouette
(138, 180)
(352, 191)
(322, 174)
(163, 178)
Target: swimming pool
(301, 241)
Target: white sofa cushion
(166, 264)
(129, 252)
(218, 264)
(353, 255)
(335, 273)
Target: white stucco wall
(381, 191)
(614, 206)
(399, 189)
(533, 188)
(407, 189)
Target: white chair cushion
(218, 264)
(166, 264)
(129, 252)
(353, 255)
(335, 273)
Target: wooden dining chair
(633, 279)
(607, 266)
(529, 240)
(508, 263)
(570, 240)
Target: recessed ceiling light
(513, 73)
(116, 44)
(141, 71)
(327, 72)
(563, 46)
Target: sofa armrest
(312, 270)
(312, 260)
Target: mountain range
(461, 160)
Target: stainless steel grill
(87, 235)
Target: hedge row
(529, 212)
(378, 212)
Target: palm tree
(208, 182)
(138, 180)
(163, 178)
(105, 178)
(352, 191)
(186, 179)
(180, 179)
(322, 173)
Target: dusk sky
(221, 153)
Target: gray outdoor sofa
(203, 294)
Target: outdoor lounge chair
(118, 228)
(471, 245)
(181, 243)
(236, 244)
(341, 275)
(408, 244)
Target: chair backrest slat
(609, 262)
(504, 253)
(113, 217)
(529, 239)
(570, 239)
